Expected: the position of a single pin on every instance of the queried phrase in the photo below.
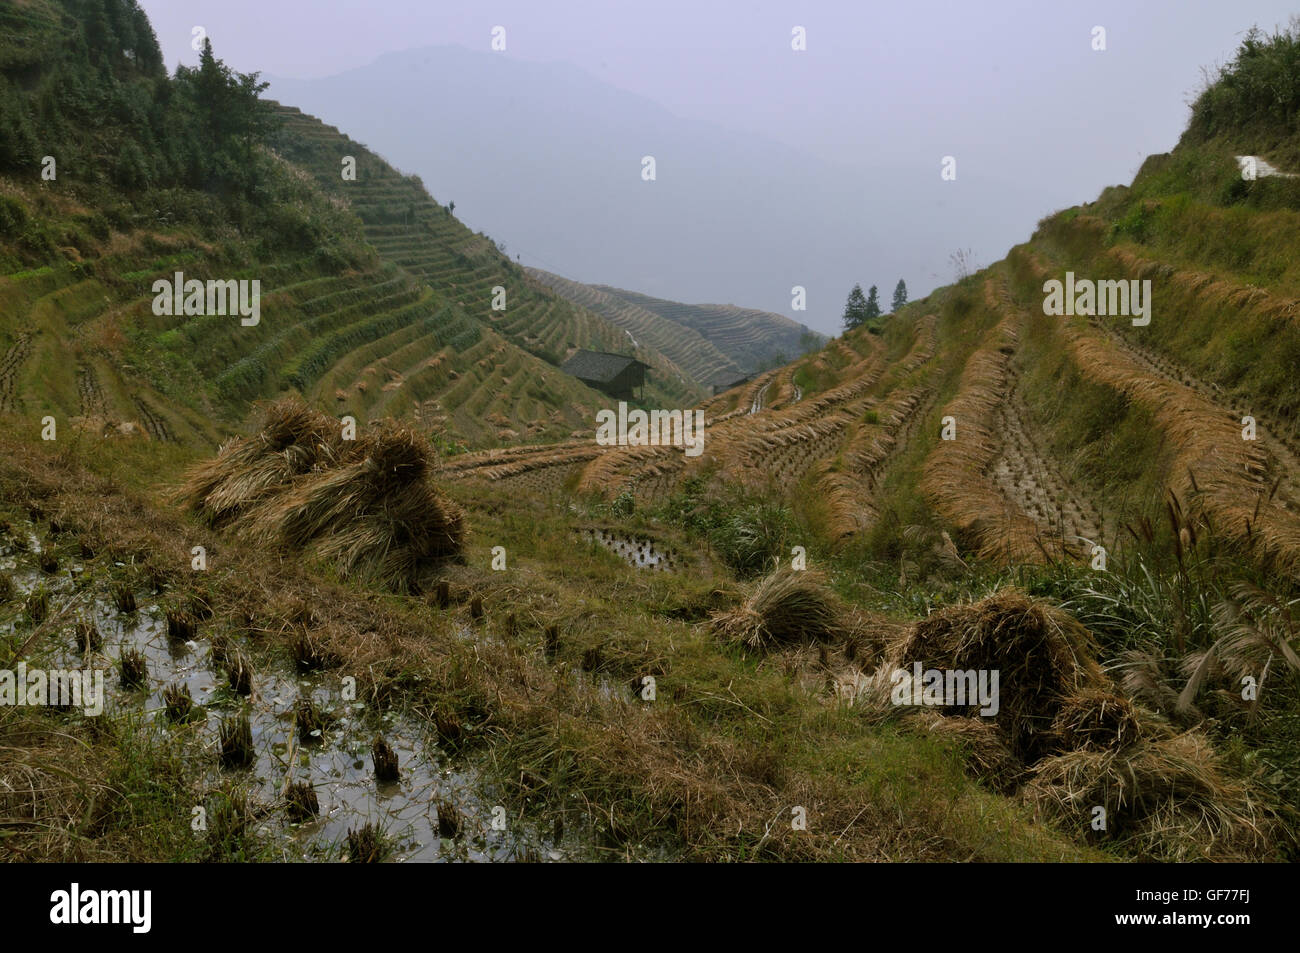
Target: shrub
(13, 216)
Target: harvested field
(1230, 480)
(957, 478)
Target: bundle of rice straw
(788, 606)
(1070, 742)
(293, 440)
(367, 506)
(1096, 720)
(1166, 797)
(990, 757)
(1041, 654)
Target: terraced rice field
(691, 353)
(746, 336)
(458, 273)
(64, 356)
(1246, 488)
(760, 435)
(997, 483)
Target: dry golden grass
(1166, 796)
(990, 756)
(619, 467)
(44, 782)
(925, 343)
(849, 488)
(955, 477)
(510, 462)
(1223, 477)
(1096, 718)
(292, 441)
(1068, 741)
(1043, 657)
(1214, 292)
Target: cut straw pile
(787, 607)
(1043, 657)
(1069, 742)
(1166, 796)
(366, 505)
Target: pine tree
(228, 119)
(900, 295)
(214, 101)
(873, 303)
(855, 309)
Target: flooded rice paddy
(336, 761)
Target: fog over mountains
(547, 159)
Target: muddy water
(639, 551)
(339, 767)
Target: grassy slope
(343, 322)
(709, 770)
(696, 774)
(1070, 433)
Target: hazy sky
(1036, 119)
